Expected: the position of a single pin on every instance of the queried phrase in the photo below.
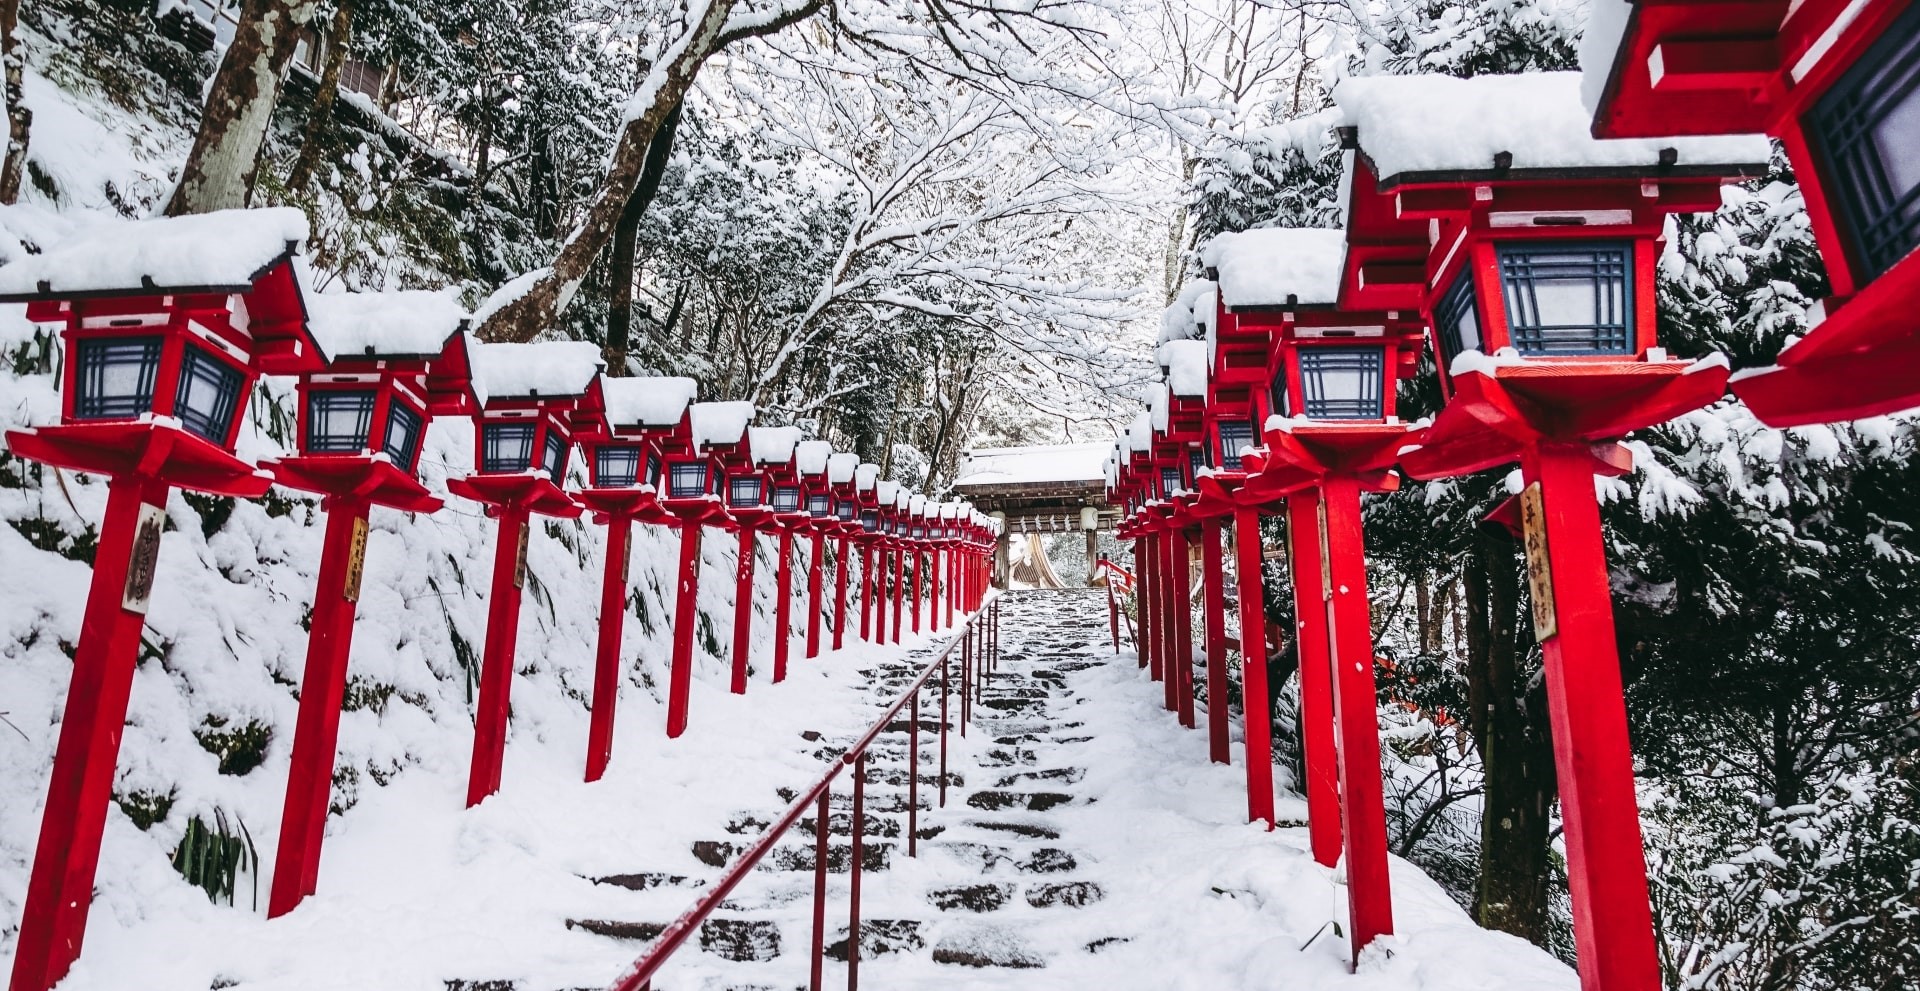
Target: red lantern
(166, 324)
(1830, 79)
(773, 450)
(811, 460)
(523, 440)
(842, 471)
(1532, 247)
(624, 469)
(720, 429)
(393, 361)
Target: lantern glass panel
(786, 499)
(1170, 481)
(1569, 298)
(653, 469)
(209, 395)
(1866, 129)
(506, 448)
(844, 510)
(1457, 320)
(1343, 383)
(404, 425)
(743, 491)
(1234, 436)
(114, 377)
(870, 521)
(616, 466)
(687, 479)
(820, 504)
(555, 460)
(339, 422)
(1196, 460)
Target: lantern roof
(720, 423)
(1273, 267)
(841, 467)
(1158, 406)
(772, 445)
(543, 370)
(1428, 128)
(917, 505)
(649, 402)
(812, 457)
(1140, 433)
(903, 500)
(866, 476)
(887, 492)
(226, 251)
(1187, 368)
(411, 323)
(1190, 313)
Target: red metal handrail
(977, 651)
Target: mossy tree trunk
(224, 162)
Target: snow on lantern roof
(720, 423)
(866, 476)
(903, 499)
(656, 401)
(772, 445)
(841, 467)
(887, 492)
(1277, 266)
(410, 323)
(1442, 128)
(547, 369)
(811, 457)
(1041, 464)
(1159, 406)
(1140, 433)
(1187, 368)
(1600, 47)
(223, 251)
(918, 505)
(1190, 312)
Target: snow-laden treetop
(659, 401)
(772, 445)
(1191, 312)
(1187, 368)
(720, 423)
(548, 368)
(1031, 465)
(410, 323)
(811, 457)
(1433, 123)
(1278, 266)
(226, 249)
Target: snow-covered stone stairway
(1086, 842)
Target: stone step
(987, 858)
(1064, 775)
(881, 937)
(1032, 801)
(987, 946)
(874, 856)
(644, 881)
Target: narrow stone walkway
(1086, 843)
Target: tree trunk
(540, 306)
(1508, 722)
(19, 118)
(320, 118)
(225, 159)
(620, 305)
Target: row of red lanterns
(166, 325)
(1493, 221)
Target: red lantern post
(393, 361)
(841, 472)
(811, 460)
(625, 464)
(866, 479)
(1533, 248)
(1828, 79)
(692, 501)
(522, 439)
(166, 324)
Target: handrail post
(943, 727)
(853, 911)
(966, 676)
(913, 776)
(820, 856)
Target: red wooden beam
(1316, 674)
(686, 616)
(496, 662)
(606, 665)
(782, 605)
(816, 557)
(1214, 606)
(743, 612)
(1253, 668)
